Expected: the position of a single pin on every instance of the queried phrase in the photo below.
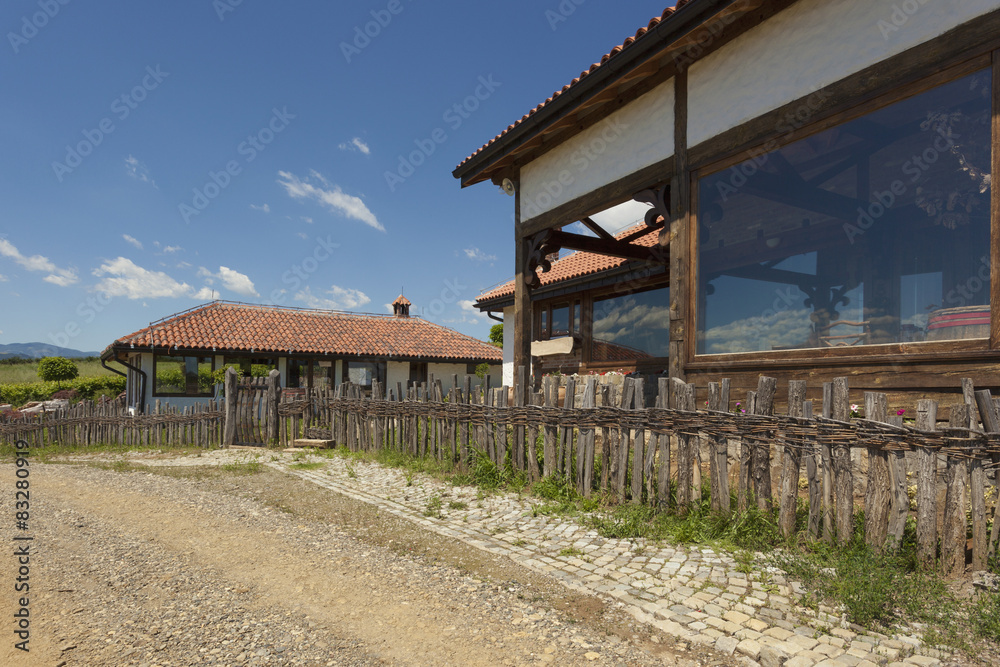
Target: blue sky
(157, 155)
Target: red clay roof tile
(225, 326)
(576, 265)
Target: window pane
(545, 325)
(632, 327)
(576, 318)
(184, 376)
(363, 372)
(298, 373)
(875, 231)
(323, 376)
(560, 321)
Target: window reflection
(874, 231)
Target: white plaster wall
(808, 46)
(636, 136)
(507, 375)
(397, 371)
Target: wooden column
(927, 488)
(522, 296)
(678, 237)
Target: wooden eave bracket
(550, 241)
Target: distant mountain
(39, 350)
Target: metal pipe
(142, 382)
(489, 314)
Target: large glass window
(183, 376)
(253, 367)
(632, 327)
(874, 231)
(363, 372)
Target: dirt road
(198, 566)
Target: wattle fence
(606, 439)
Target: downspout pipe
(142, 381)
(489, 314)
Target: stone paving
(696, 594)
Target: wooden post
(624, 444)
(566, 432)
(606, 400)
(746, 460)
(826, 456)
(638, 442)
(663, 445)
(585, 443)
(273, 397)
(991, 424)
(927, 488)
(534, 474)
(766, 387)
(878, 486)
(843, 475)
(232, 399)
(678, 396)
(814, 475)
(520, 389)
(522, 294)
(954, 531)
(791, 464)
(551, 432)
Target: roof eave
(684, 20)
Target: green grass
(315, 465)
(28, 372)
(243, 467)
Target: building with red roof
(173, 359)
(820, 175)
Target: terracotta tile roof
(401, 301)
(577, 264)
(667, 13)
(239, 327)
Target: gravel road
(194, 565)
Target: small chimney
(401, 307)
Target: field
(28, 370)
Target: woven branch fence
(605, 439)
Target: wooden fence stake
(877, 487)
(791, 464)
(927, 488)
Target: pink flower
(900, 412)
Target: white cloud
(3, 278)
(330, 196)
(264, 208)
(478, 255)
(234, 281)
(308, 220)
(57, 276)
(356, 145)
(335, 298)
(138, 171)
(302, 235)
(122, 277)
(470, 312)
(206, 294)
(132, 240)
(172, 249)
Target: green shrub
(19, 393)
(57, 369)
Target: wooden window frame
(951, 69)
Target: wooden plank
(534, 473)
(624, 443)
(232, 400)
(746, 461)
(991, 424)
(953, 536)
(877, 488)
(679, 236)
(606, 400)
(791, 464)
(566, 432)
(843, 475)
(520, 391)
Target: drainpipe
(489, 314)
(142, 382)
